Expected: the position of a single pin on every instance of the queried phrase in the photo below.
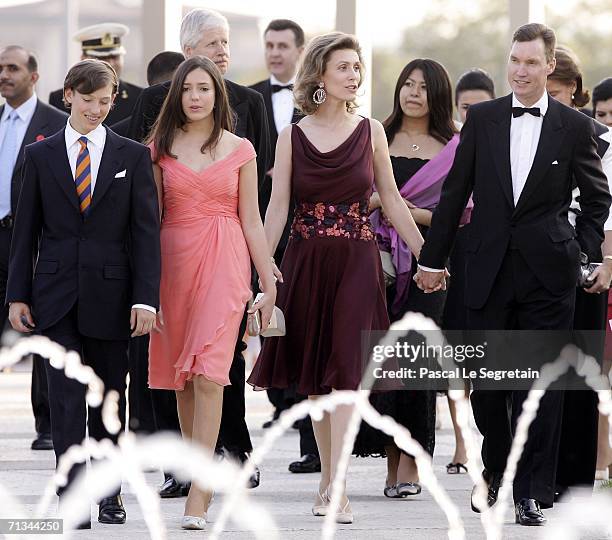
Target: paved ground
(287, 496)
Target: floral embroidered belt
(343, 220)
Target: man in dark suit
(88, 212)
(206, 33)
(520, 155)
(23, 120)
(283, 45)
(103, 41)
(160, 69)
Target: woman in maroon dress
(333, 285)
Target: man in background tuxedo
(160, 69)
(520, 156)
(283, 45)
(24, 119)
(206, 33)
(103, 41)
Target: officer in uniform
(103, 41)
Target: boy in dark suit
(88, 211)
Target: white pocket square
(554, 163)
(121, 174)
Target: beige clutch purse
(276, 327)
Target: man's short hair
(162, 66)
(533, 31)
(90, 75)
(287, 24)
(31, 63)
(196, 22)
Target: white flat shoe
(321, 503)
(193, 523)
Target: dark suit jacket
(127, 96)
(122, 127)
(265, 189)
(104, 263)
(538, 226)
(248, 106)
(45, 122)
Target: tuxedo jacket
(537, 226)
(104, 263)
(45, 122)
(247, 105)
(126, 99)
(265, 189)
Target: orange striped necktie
(83, 177)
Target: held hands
(18, 314)
(430, 282)
(278, 276)
(601, 278)
(265, 306)
(142, 321)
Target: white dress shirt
(95, 144)
(524, 137)
(282, 104)
(606, 165)
(24, 112)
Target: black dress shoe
(172, 488)
(309, 463)
(111, 511)
(83, 525)
(527, 512)
(255, 478)
(493, 481)
(43, 441)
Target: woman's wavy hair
(567, 72)
(172, 116)
(439, 100)
(313, 67)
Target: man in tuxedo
(103, 41)
(206, 33)
(520, 156)
(88, 212)
(24, 119)
(283, 46)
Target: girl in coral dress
(207, 182)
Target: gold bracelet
(609, 257)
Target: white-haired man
(205, 32)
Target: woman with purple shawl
(422, 141)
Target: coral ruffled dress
(206, 272)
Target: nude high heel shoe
(321, 503)
(345, 514)
(193, 523)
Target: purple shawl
(423, 190)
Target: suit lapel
(267, 96)
(498, 128)
(37, 126)
(109, 164)
(548, 147)
(60, 166)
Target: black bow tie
(520, 111)
(279, 87)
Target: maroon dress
(333, 284)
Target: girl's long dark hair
(439, 100)
(172, 116)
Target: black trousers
(39, 393)
(140, 401)
(69, 412)
(233, 433)
(578, 445)
(519, 301)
